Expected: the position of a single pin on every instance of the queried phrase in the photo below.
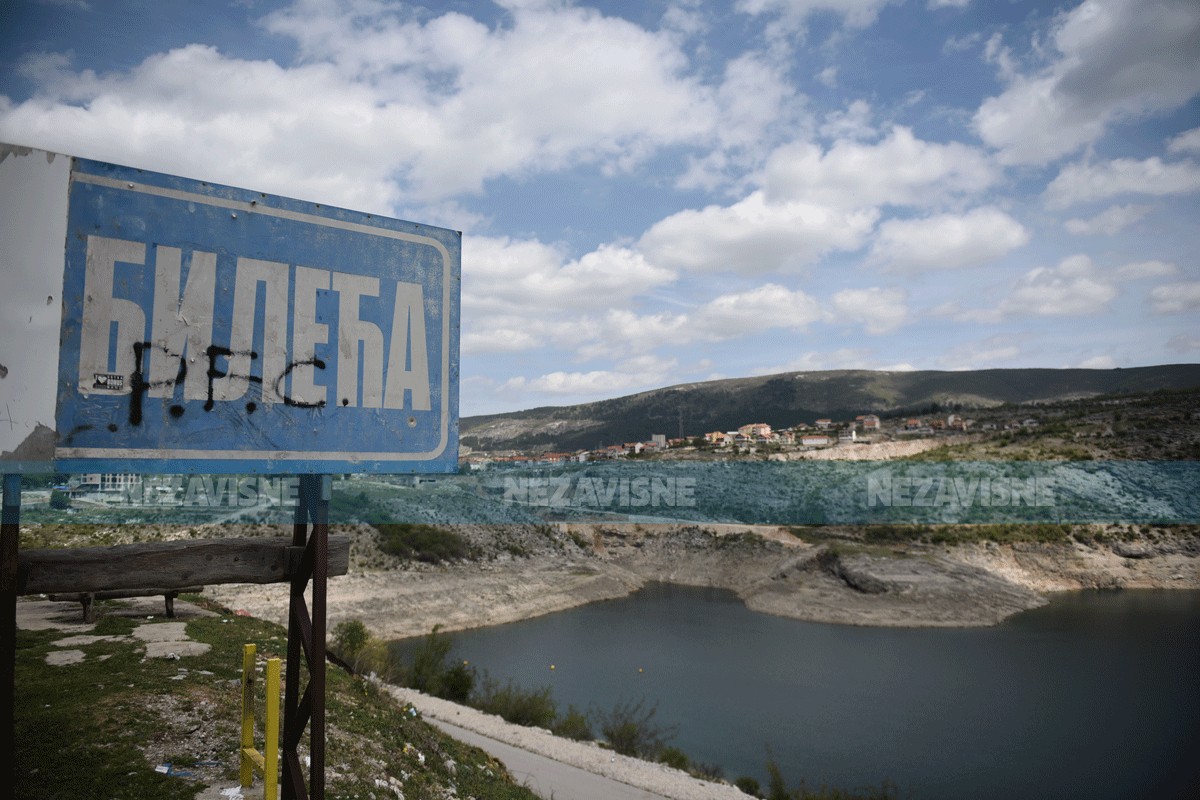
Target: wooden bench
(88, 574)
(88, 599)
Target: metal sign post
(10, 530)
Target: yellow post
(271, 746)
(247, 765)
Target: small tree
(59, 499)
(749, 786)
(458, 683)
(349, 638)
(574, 725)
(631, 730)
(429, 662)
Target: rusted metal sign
(173, 325)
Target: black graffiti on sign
(139, 386)
(288, 401)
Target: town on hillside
(759, 438)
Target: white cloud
(757, 106)
(947, 241)
(1085, 183)
(193, 111)
(768, 306)
(1184, 343)
(727, 316)
(949, 3)
(621, 331)
(1176, 298)
(853, 123)
(1113, 59)
(1112, 220)
(754, 95)
(960, 44)
(641, 372)
(1098, 362)
(841, 358)
(501, 275)
(384, 108)
(994, 52)
(813, 361)
(827, 77)
(684, 21)
(499, 340)
(1146, 269)
(593, 384)
(522, 294)
(982, 354)
(1186, 142)
(754, 236)
(1073, 288)
(898, 170)
(879, 310)
(793, 13)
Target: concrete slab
(63, 657)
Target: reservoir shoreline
(770, 569)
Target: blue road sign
(213, 329)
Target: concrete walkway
(545, 777)
(559, 768)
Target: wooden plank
(170, 566)
(117, 594)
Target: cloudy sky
(660, 191)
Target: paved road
(546, 777)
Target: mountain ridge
(792, 398)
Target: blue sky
(658, 192)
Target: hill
(793, 398)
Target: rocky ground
(873, 451)
(842, 581)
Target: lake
(1096, 695)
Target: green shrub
(894, 533)
(529, 707)
(458, 683)
(631, 730)
(749, 786)
(674, 757)
(350, 641)
(708, 771)
(574, 725)
(427, 543)
(350, 637)
(430, 670)
(363, 653)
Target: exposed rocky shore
(547, 569)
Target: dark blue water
(1095, 696)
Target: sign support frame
(306, 637)
(10, 536)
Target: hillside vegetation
(793, 398)
(99, 727)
